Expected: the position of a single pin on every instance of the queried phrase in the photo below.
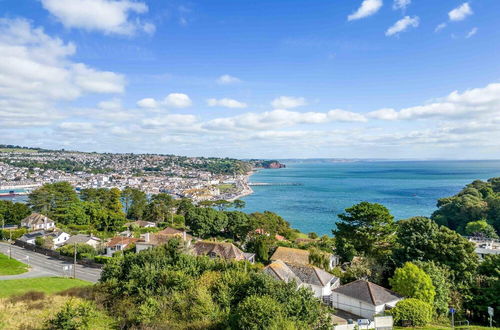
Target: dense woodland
(427, 260)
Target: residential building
(298, 256)
(485, 246)
(221, 250)
(37, 221)
(162, 237)
(93, 241)
(58, 237)
(119, 244)
(141, 224)
(364, 298)
(320, 282)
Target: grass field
(11, 266)
(43, 284)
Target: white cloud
(280, 118)
(401, 4)
(471, 32)
(147, 103)
(288, 102)
(112, 104)
(177, 100)
(472, 103)
(403, 24)
(440, 27)
(108, 16)
(36, 72)
(170, 120)
(225, 102)
(460, 13)
(367, 8)
(227, 80)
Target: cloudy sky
(250, 78)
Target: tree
(239, 204)
(480, 228)
(319, 258)
(13, 213)
(485, 289)
(367, 227)
(75, 213)
(205, 222)
(412, 282)
(159, 208)
(440, 277)
(52, 199)
(72, 317)
(238, 224)
(422, 239)
(416, 312)
(258, 313)
(271, 223)
(136, 203)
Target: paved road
(42, 265)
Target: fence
(56, 255)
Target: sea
(310, 195)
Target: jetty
(274, 184)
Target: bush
(15, 233)
(413, 311)
(82, 251)
(29, 296)
(102, 259)
(72, 317)
(258, 313)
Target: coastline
(247, 190)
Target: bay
(325, 189)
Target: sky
(397, 79)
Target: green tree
(367, 228)
(412, 282)
(137, 202)
(319, 258)
(485, 289)
(440, 277)
(480, 228)
(205, 222)
(52, 199)
(238, 225)
(73, 316)
(75, 213)
(258, 312)
(13, 213)
(422, 239)
(416, 312)
(159, 208)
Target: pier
(274, 184)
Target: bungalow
(58, 237)
(261, 231)
(37, 221)
(84, 239)
(316, 279)
(141, 224)
(119, 243)
(298, 256)
(364, 298)
(222, 250)
(162, 237)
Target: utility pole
(74, 262)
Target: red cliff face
(275, 165)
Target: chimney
(184, 235)
(146, 237)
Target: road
(42, 265)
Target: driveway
(42, 265)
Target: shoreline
(247, 190)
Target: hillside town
(22, 170)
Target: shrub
(102, 259)
(413, 311)
(257, 313)
(72, 317)
(412, 282)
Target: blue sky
(271, 79)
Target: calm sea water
(406, 188)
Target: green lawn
(44, 284)
(11, 266)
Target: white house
(84, 239)
(141, 224)
(37, 221)
(319, 281)
(364, 298)
(119, 244)
(58, 237)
